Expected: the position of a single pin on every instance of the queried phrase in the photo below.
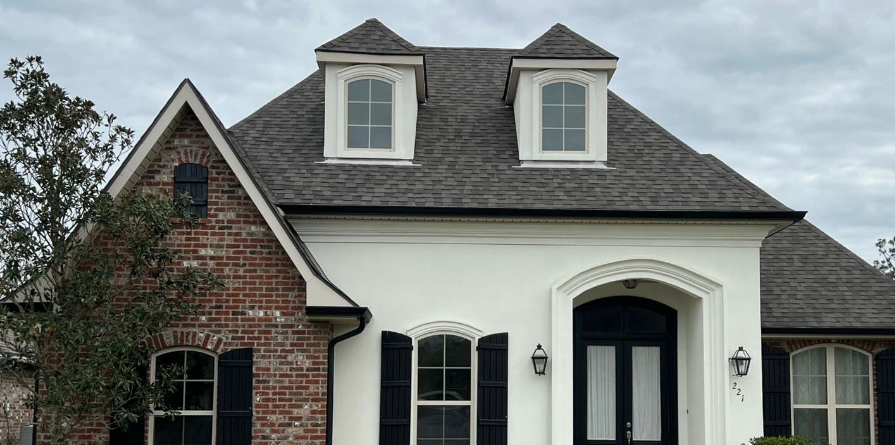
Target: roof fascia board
(418, 62)
(519, 64)
(318, 292)
(774, 216)
(830, 333)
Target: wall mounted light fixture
(539, 360)
(741, 361)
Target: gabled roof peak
(560, 42)
(371, 37)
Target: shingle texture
(563, 43)
(808, 280)
(371, 37)
(467, 154)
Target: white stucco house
(481, 202)
(459, 214)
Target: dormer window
(563, 117)
(370, 114)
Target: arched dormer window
(370, 114)
(192, 179)
(832, 395)
(561, 118)
(564, 117)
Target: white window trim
(445, 328)
(831, 405)
(391, 127)
(214, 405)
(376, 72)
(595, 122)
(587, 128)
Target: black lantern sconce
(539, 360)
(741, 361)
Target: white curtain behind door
(646, 386)
(601, 393)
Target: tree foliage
(886, 265)
(76, 313)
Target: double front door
(624, 365)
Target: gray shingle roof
(468, 158)
(563, 43)
(810, 281)
(371, 37)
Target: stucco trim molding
(698, 285)
(444, 326)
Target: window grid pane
(193, 394)
(852, 377)
(369, 114)
(810, 377)
(563, 117)
(844, 417)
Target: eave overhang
(418, 62)
(519, 64)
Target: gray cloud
(797, 96)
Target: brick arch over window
(193, 155)
(196, 339)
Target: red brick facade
(261, 305)
(13, 394)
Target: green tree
(76, 313)
(887, 251)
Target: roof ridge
(379, 40)
(274, 101)
(745, 181)
(393, 35)
(557, 29)
(565, 29)
(538, 41)
(691, 151)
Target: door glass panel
(601, 393)
(646, 407)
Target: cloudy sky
(799, 96)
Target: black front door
(625, 390)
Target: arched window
(193, 398)
(370, 114)
(563, 117)
(444, 390)
(831, 395)
(192, 179)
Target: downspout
(330, 373)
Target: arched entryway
(625, 390)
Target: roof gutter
(306, 209)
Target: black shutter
(133, 433)
(492, 397)
(394, 399)
(192, 179)
(235, 397)
(885, 396)
(775, 386)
